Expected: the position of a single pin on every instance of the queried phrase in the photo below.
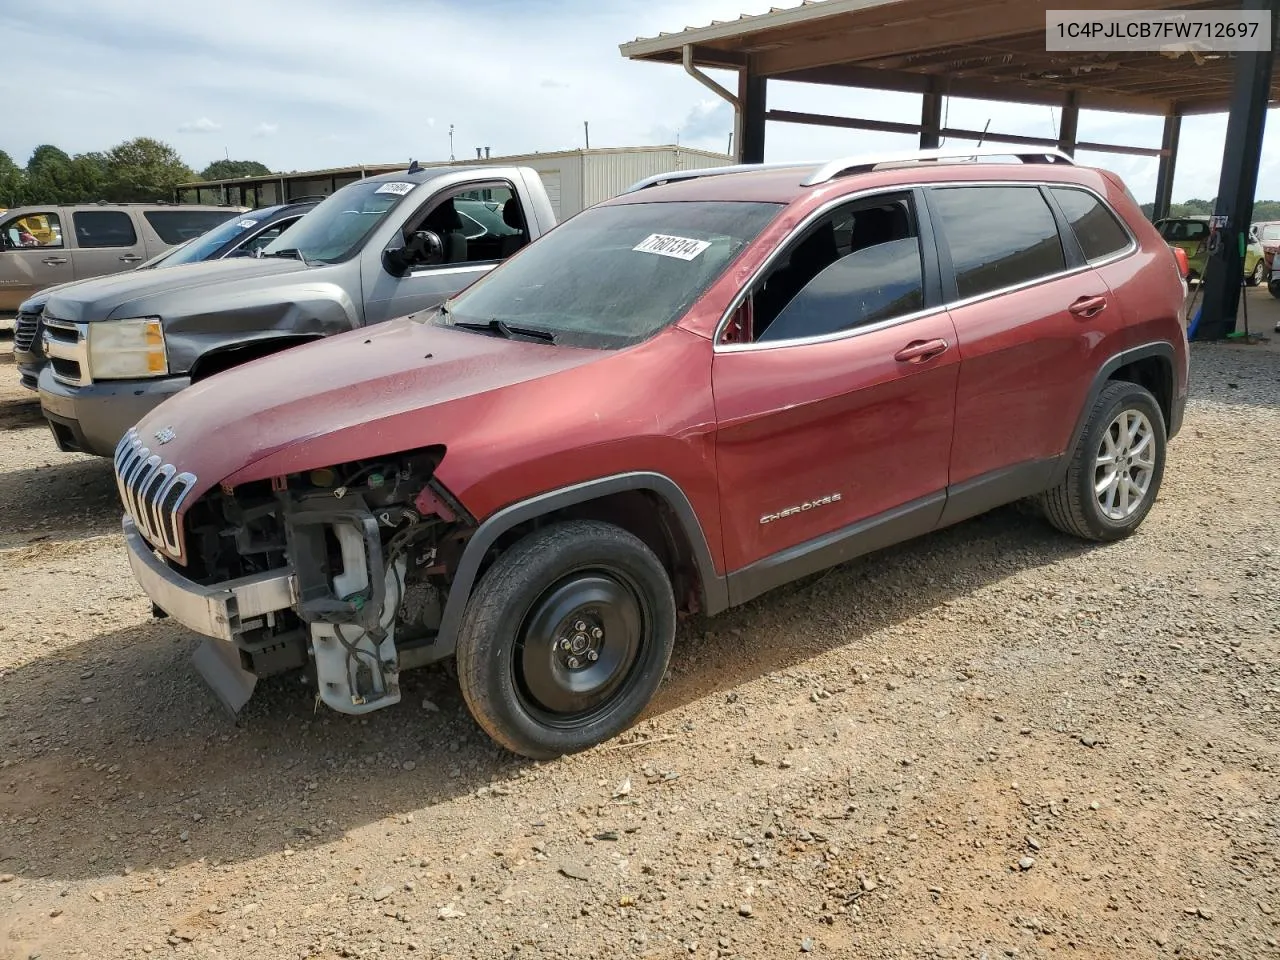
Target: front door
(834, 399)
(106, 242)
(33, 255)
(479, 226)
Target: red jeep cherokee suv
(679, 399)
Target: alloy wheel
(1125, 465)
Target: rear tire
(1115, 472)
(1273, 288)
(566, 638)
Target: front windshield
(614, 275)
(335, 229)
(207, 244)
(1271, 232)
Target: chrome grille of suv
(25, 331)
(152, 492)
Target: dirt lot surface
(993, 742)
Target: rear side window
(104, 228)
(998, 236)
(1096, 227)
(179, 226)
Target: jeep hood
(153, 293)
(361, 394)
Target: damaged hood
(361, 394)
(159, 293)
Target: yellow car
(1191, 234)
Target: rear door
(1031, 316)
(835, 406)
(106, 241)
(33, 255)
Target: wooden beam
(849, 123)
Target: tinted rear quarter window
(1096, 227)
(104, 228)
(998, 236)
(178, 226)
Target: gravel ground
(993, 742)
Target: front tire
(1259, 274)
(1273, 288)
(566, 638)
(1115, 472)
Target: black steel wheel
(566, 638)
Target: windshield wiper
(502, 328)
(291, 252)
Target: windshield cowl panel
(613, 276)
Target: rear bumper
(93, 417)
(222, 611)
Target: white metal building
(575, 179)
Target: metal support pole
(1168, 164)
(1250, 92)
(1067, 130)
(931, 116)
(752, 95)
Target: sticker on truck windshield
(398, 187)
(682, 248)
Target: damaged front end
(339, 574)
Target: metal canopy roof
(988, 49)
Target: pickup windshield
(613, 275)
(337, 228)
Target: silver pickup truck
(382, 247)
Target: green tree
(12, 182)
(144, 169)
(230, 169)
(49, 176)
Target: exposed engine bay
(372, 546)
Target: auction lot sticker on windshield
(682, 248)
(398, 187)
(247, 224)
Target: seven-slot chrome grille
(152, 491)
(25, 331)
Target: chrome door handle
(53, 261)
(130, 258)
(919, 351)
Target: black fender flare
(1157, 348)
(715, 590)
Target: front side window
(336, 229)
(179, 226)
(32, 230)
(860, 265)
(613, 275)
(103, 228)
(478, 225)
(1096, 228)
(998, 237)
(1270, 233)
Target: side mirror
(422, 248)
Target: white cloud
(266, 129)
(203, 125)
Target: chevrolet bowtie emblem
(164, 435)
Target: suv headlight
(127, 349)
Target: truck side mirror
(422, 248)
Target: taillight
(1184, 265)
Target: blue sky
(331, 82)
